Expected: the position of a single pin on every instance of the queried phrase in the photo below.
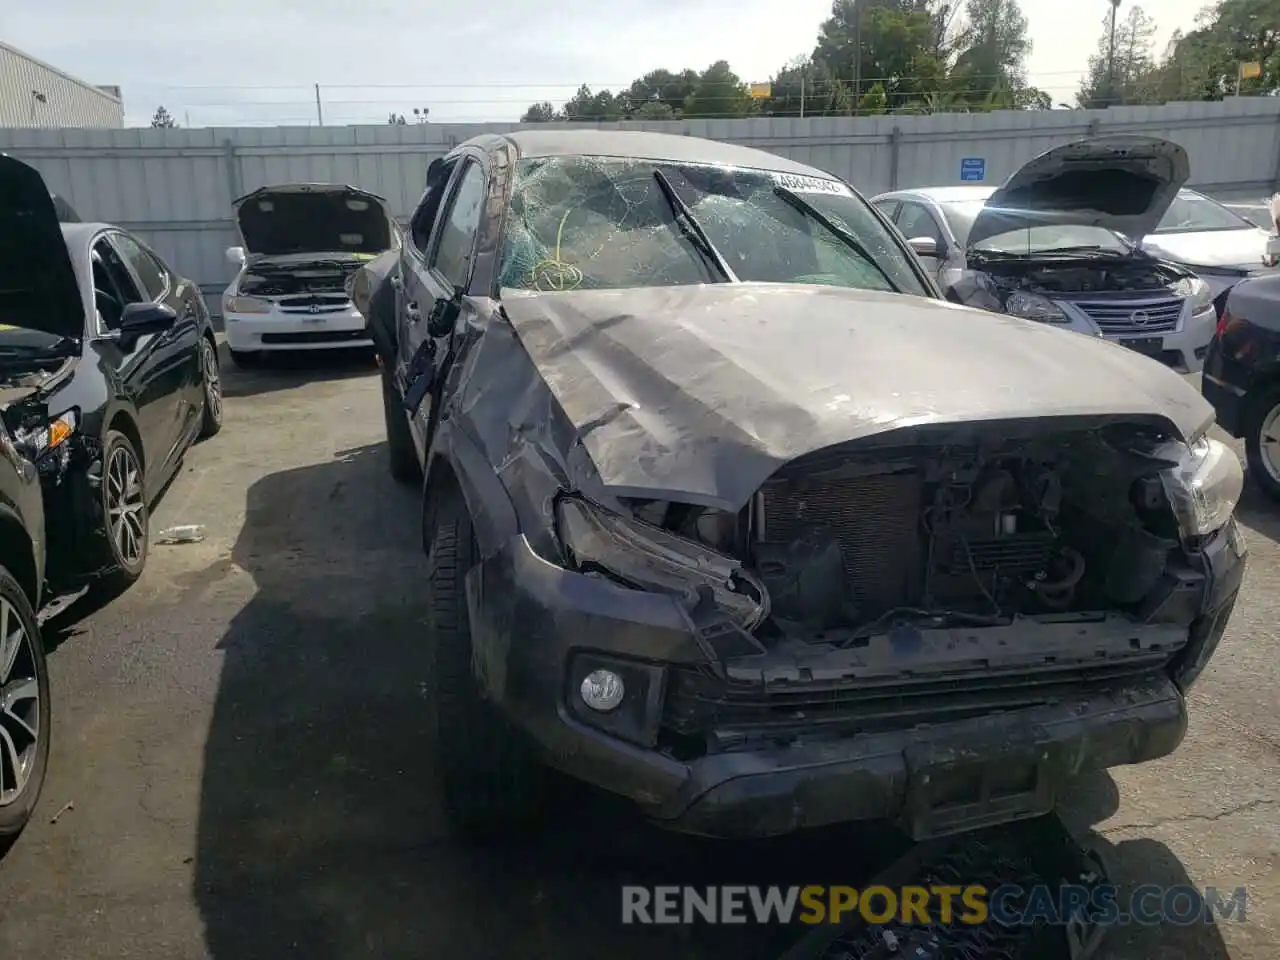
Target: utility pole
(802, 73)
(1111, 55)
(857, 55)
(320, 111)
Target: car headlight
(1203, 486)
(245, 305)
(37, 441)
(646, 557)
(1031, 306)
(1195, 290)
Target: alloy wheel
(1269, 442)
(212, 382)
(19, 704)
(125, 506)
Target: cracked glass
(604, 223)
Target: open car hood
(313, 218)
(700, 393)
(38, 287)
(1121, 183)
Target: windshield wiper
(692, 228)
(798, 202)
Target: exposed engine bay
(272, 279)
(1077, 274)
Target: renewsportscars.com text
(1009, 905)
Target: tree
(991, 65)
(162, 119)
(1128, 75)
(719, 93)
(542, 112)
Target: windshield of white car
(605, 223)
(1196, 213)
(1029, 241)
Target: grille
(317, 336)
(1133, 317)
(874, 518)
(323, 303)
(697, 703)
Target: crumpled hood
(1213, 248)
(699, 393)
(1122, 183)
(313, 218)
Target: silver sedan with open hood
(729, 512)
(1060, 242)
(300, 244)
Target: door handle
(412, 312)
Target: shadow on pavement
(319, 834)
(1259, 512)
(285, 371)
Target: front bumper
(1183, 348)
(933, 778)
(278, 330)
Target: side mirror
(139, 319)
(235, 257)
(924, 246)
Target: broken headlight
(1032, 306)
(1203, 486)
(646, 557)
(35, 442)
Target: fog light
(602, 690)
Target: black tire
(211, 383)
(490, 783)
(29, 664)
(245, 359)
(404, 457)
(1260, 409)
(124, 568)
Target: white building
(34, 94)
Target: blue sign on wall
(973, 169)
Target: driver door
(137, 367)
(431, 281)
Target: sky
(253, 62)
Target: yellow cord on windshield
(554, 273)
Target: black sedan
(24, 677)
(728, 512)
(110, 367)
(1242, 376)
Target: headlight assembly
(1195, 290)
(647, 557)
(242, 304)
(1203, 486)
(1031, 306)
(35, 442)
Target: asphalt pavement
(240, 766)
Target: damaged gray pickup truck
(727, 512)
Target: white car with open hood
(300, 244)
(1060, 242)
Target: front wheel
(489, 780)
(126, 519)
(1262, 442)
(24, 710)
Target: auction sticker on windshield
(802, 184)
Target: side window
(452, 257)
(113, 287)
(154, 277)
(889, 208)
(916, 221)
(425, 216)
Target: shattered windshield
(605, 223)
(1028, 240)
